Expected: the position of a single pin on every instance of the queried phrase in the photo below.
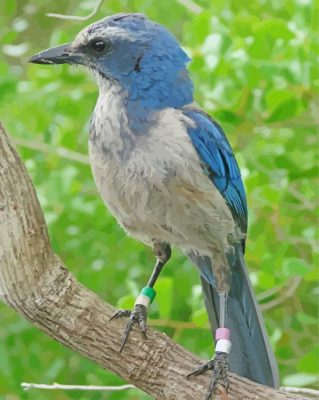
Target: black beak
(63, 54)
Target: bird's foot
(220, 379)
(136, 316)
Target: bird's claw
(220, 378)
(137, 316)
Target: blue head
(143, 57)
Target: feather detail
(219, 163)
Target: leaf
(286, 109)
(310, 362)
(200, 318)
(126, 302)
(295, 266)
(306, 319)
(274, 29)
(299, 380)
(164, 296)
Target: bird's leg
(139, 313)
(219, 364)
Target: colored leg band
(223, 346)
(143, 300)
(149, 292)
(222, 333)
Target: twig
(289, 292)
(276, 289)
(57, 386)
(269, 292)
(191, 6)
(299, 196)
(59, 151)
(293, 191)
(302, 240)
(303, 391)
(76, 17)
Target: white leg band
(223, 346)
(143, 300)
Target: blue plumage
(219, 163)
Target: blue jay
(166, 170)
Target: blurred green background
(255, 70)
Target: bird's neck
(137, 98)
(115, 103)
(121, 115)
(157, 90)
(116, 123)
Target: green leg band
(149, 292)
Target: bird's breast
(154, 184)
(133, 172)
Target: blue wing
(219, 163)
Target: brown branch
(88, 388)
(311, 393)
(35, 282)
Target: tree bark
(35, 282)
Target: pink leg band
(222, 333)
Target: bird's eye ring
(100, 45)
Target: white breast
(157, 190)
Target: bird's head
(141, 56)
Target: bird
(167, 172)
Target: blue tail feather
(251, 355)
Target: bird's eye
(100, 45)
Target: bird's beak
(64, 54)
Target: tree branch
(312, 393)
(35, 282)
(59, 151)
(89, 388)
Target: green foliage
(255, 70)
